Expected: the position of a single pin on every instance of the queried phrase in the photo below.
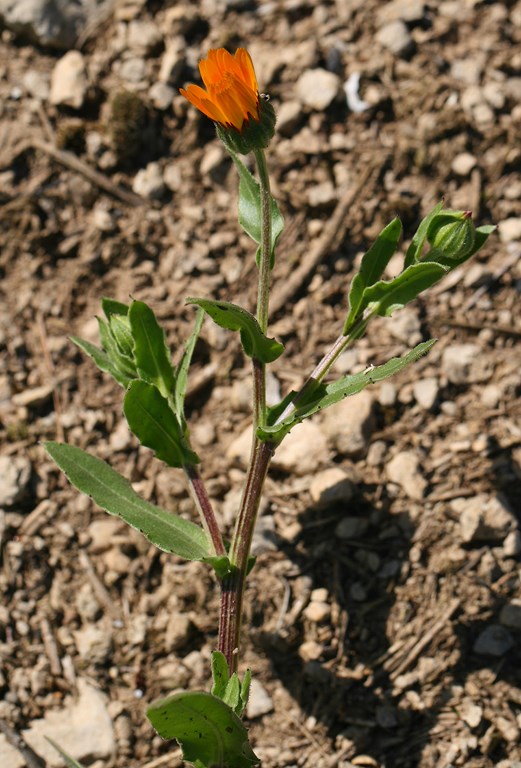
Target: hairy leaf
(154, 423)
(103, 361)
(208, 730)
(234, 318)
(150, 350)
(329, 394)
(115, 495)
(372, 268)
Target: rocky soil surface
(384, 612)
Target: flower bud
(452, 236)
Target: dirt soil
(384, 630)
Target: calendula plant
(134, 351)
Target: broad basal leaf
(154, 423)
(234, 318)
(150, 350)
(208, 730)
(329, 394)
(115, 495)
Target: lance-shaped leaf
(234, 318)
(115, 495)
(154, 423)
(113, 307)
(326, 395)
(250, 217)
(208, 730)
(415, 249)
(387, 296)
(181, 377)
(103, 361)
(150, 350)
(372, 268)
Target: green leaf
(372, 268)
(245, 690)
(181, 382)
(346, 386)
(220, 674)
(232, 694)
(70, 762)
(120, 332)
(150, 351)
(234, 318)
(115, 495)
(154, 423)
(102, 360)
(123, 363)
(206, 728)
(415, 249)
(250, 217)
(113, 307)
(221, 565)
(387, 296)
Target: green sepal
(415, 249)
(372, 268)
(115, 495)
(151, 419)
(326, 395)
(151, 354)
(208, 730)
(254, 134)
(234, 318)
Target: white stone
(47, 22)
(303, 451)
(463, 163)
(332, 486)
(349, 424)
(510, 229)
(36, 84)
(15, 476)
(425, 392)
(404, 470)
(149, 182)
(69, 81)
(82, 728)
(395, 36)
(144, 35)
(457, 362)
(484, 518)
(161, 95)
(173, 61)
(94, 642)
(259, 702)
(318, 88)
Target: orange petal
(200, 99)
(243, 59)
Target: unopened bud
(452, 236)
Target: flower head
(232, 94)
(244, 120)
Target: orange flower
(232, 94)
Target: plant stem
(205, 509)
(321, 369)
(232, 587)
